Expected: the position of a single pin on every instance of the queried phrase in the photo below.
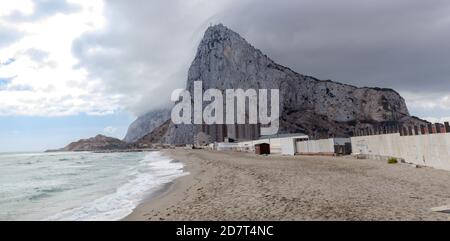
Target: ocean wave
(153, 172)
(39, 196)
(46, 192)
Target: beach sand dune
(243, 186)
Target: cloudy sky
(72, 69)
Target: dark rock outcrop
(154, 137)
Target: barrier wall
(315, 146)
(323, 146)
(224, 146)
(431, 150)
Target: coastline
(164, 198)
(243, 186)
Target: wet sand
(243, 186)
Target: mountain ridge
(319, 108)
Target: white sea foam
(159, 170)
(80, 186)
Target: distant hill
(97, 143)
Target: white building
(279, 144)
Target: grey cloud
(7, 85)
(146, 50)
(8, 36)
(37, 55)
(40, 57)
(43, 9)
(8, 62)
(399, 44)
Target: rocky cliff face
(155, 136)
(98, 143)
(319, 108)
(146, 124)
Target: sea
(81, 185)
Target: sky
(73, 69)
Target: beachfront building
(279, 144)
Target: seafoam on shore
(80, 186)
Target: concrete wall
(315, 146)
(341, 141)
(222, 146)
(288, 146)
(431, 150)
(324, 146)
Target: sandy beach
(243, 186)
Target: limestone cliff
(146, 124)
(319, 108)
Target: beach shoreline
(163, 198)
(242, 186)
